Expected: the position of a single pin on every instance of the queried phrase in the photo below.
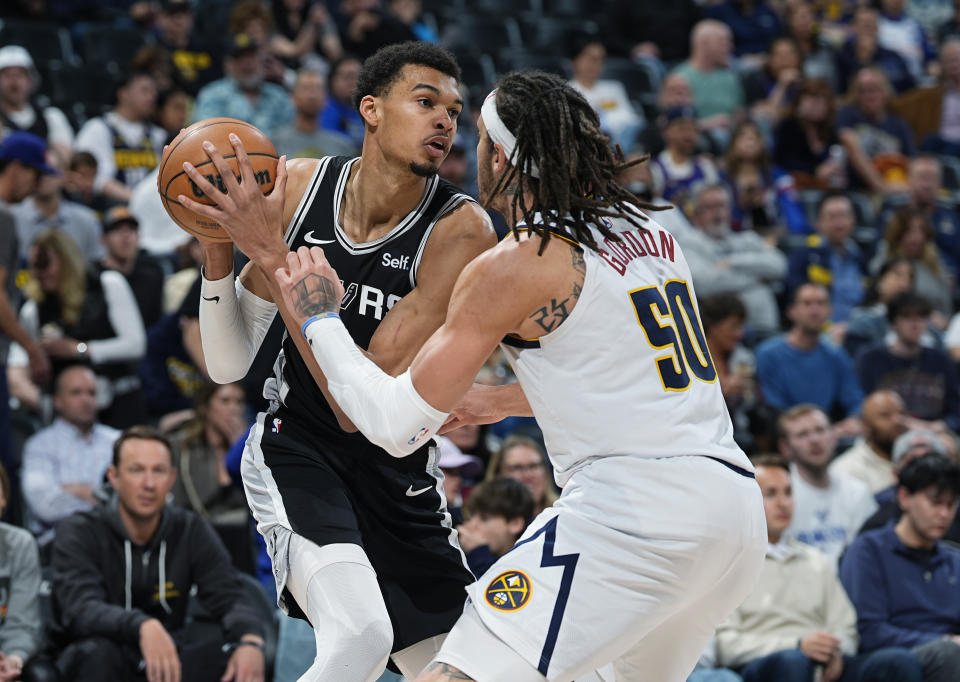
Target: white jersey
(628, 372)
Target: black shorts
(346, 490)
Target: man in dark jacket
(122, 578)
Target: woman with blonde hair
(522, 459)
(910, 235)
(81, 317)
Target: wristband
(311, 320)
(243, 642)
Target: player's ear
(499, 158)
(370, 110)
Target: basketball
(172, 180)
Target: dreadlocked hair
(559, 134)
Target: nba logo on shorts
(509, 591)
(276, 425)
(420, 434)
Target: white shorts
(637, 563)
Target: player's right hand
(159, 652)
(820, 646)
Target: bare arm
(11, 327)
(483, 404)
(859, 159)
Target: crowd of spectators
(811, 155)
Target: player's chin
(424, 169)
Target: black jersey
(375, 276)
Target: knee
(789, 665)
(39, 669)
(943, 654)
(893, 664)
(377, 636)
(86, 656)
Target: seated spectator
(830, 507)
(863, 48)
(933, 113)
(200, 448)
(871, 458)
(303, 29)
(252, 19)
(770, 90)
(497, 513)
(818, 55)
(764, 198)
(798, 367)
(456, 467)
(365, 27)
(638, 180)
(112, 626)
(243, 93)
(723, 261)
(723, 317)
(21, 634)
(143, 273)
(64, 463)
(661, 31)
(608, 97)
(908, 447)
(904, 35)
(902, 578)
(752, 22)
(927, 195)
(172, 108)
(925, 378)
(304, 138)
(126, 145)
(831, 257)
(196, 62)
(80, 180)
(802, 142)
(868, 324)
(523, 459)
(47, 209)
(717, 94)
(82, 316)
(409, 13)
(678, 171)
(877, 141)
(339, 114)
(156, 62)
(674, 93)
(799, 618)
(909, 235)
(18, 81)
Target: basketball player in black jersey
(361, 541)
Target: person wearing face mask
(243, 93)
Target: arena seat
(45, 42)
(110, 45)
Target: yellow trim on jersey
(569, 240)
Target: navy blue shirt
(903, 597)
(927, 382)
(889, 62)
(753, 32)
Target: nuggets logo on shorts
(509, 591)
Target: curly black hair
(558, 132)
(382, 69)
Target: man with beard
(829, 508)
(243, 94)
(869, 460)
(361, 543)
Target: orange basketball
(172, 180)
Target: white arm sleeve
(233, 322)
(387, 410)
(130, 343)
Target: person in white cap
(456, 465)
(18, 80)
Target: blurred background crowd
(811, 152)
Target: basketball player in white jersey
(659, 532)
(361, 542)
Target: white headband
(499, 133)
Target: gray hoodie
(20, 626)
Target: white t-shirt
(95, 137)
(609, 99)
(158, 233)
(829, 518)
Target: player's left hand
(245, 665)
(309, 285)
(253, 220)
(834, 669)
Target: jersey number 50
(669, 319)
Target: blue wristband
(311, 320)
